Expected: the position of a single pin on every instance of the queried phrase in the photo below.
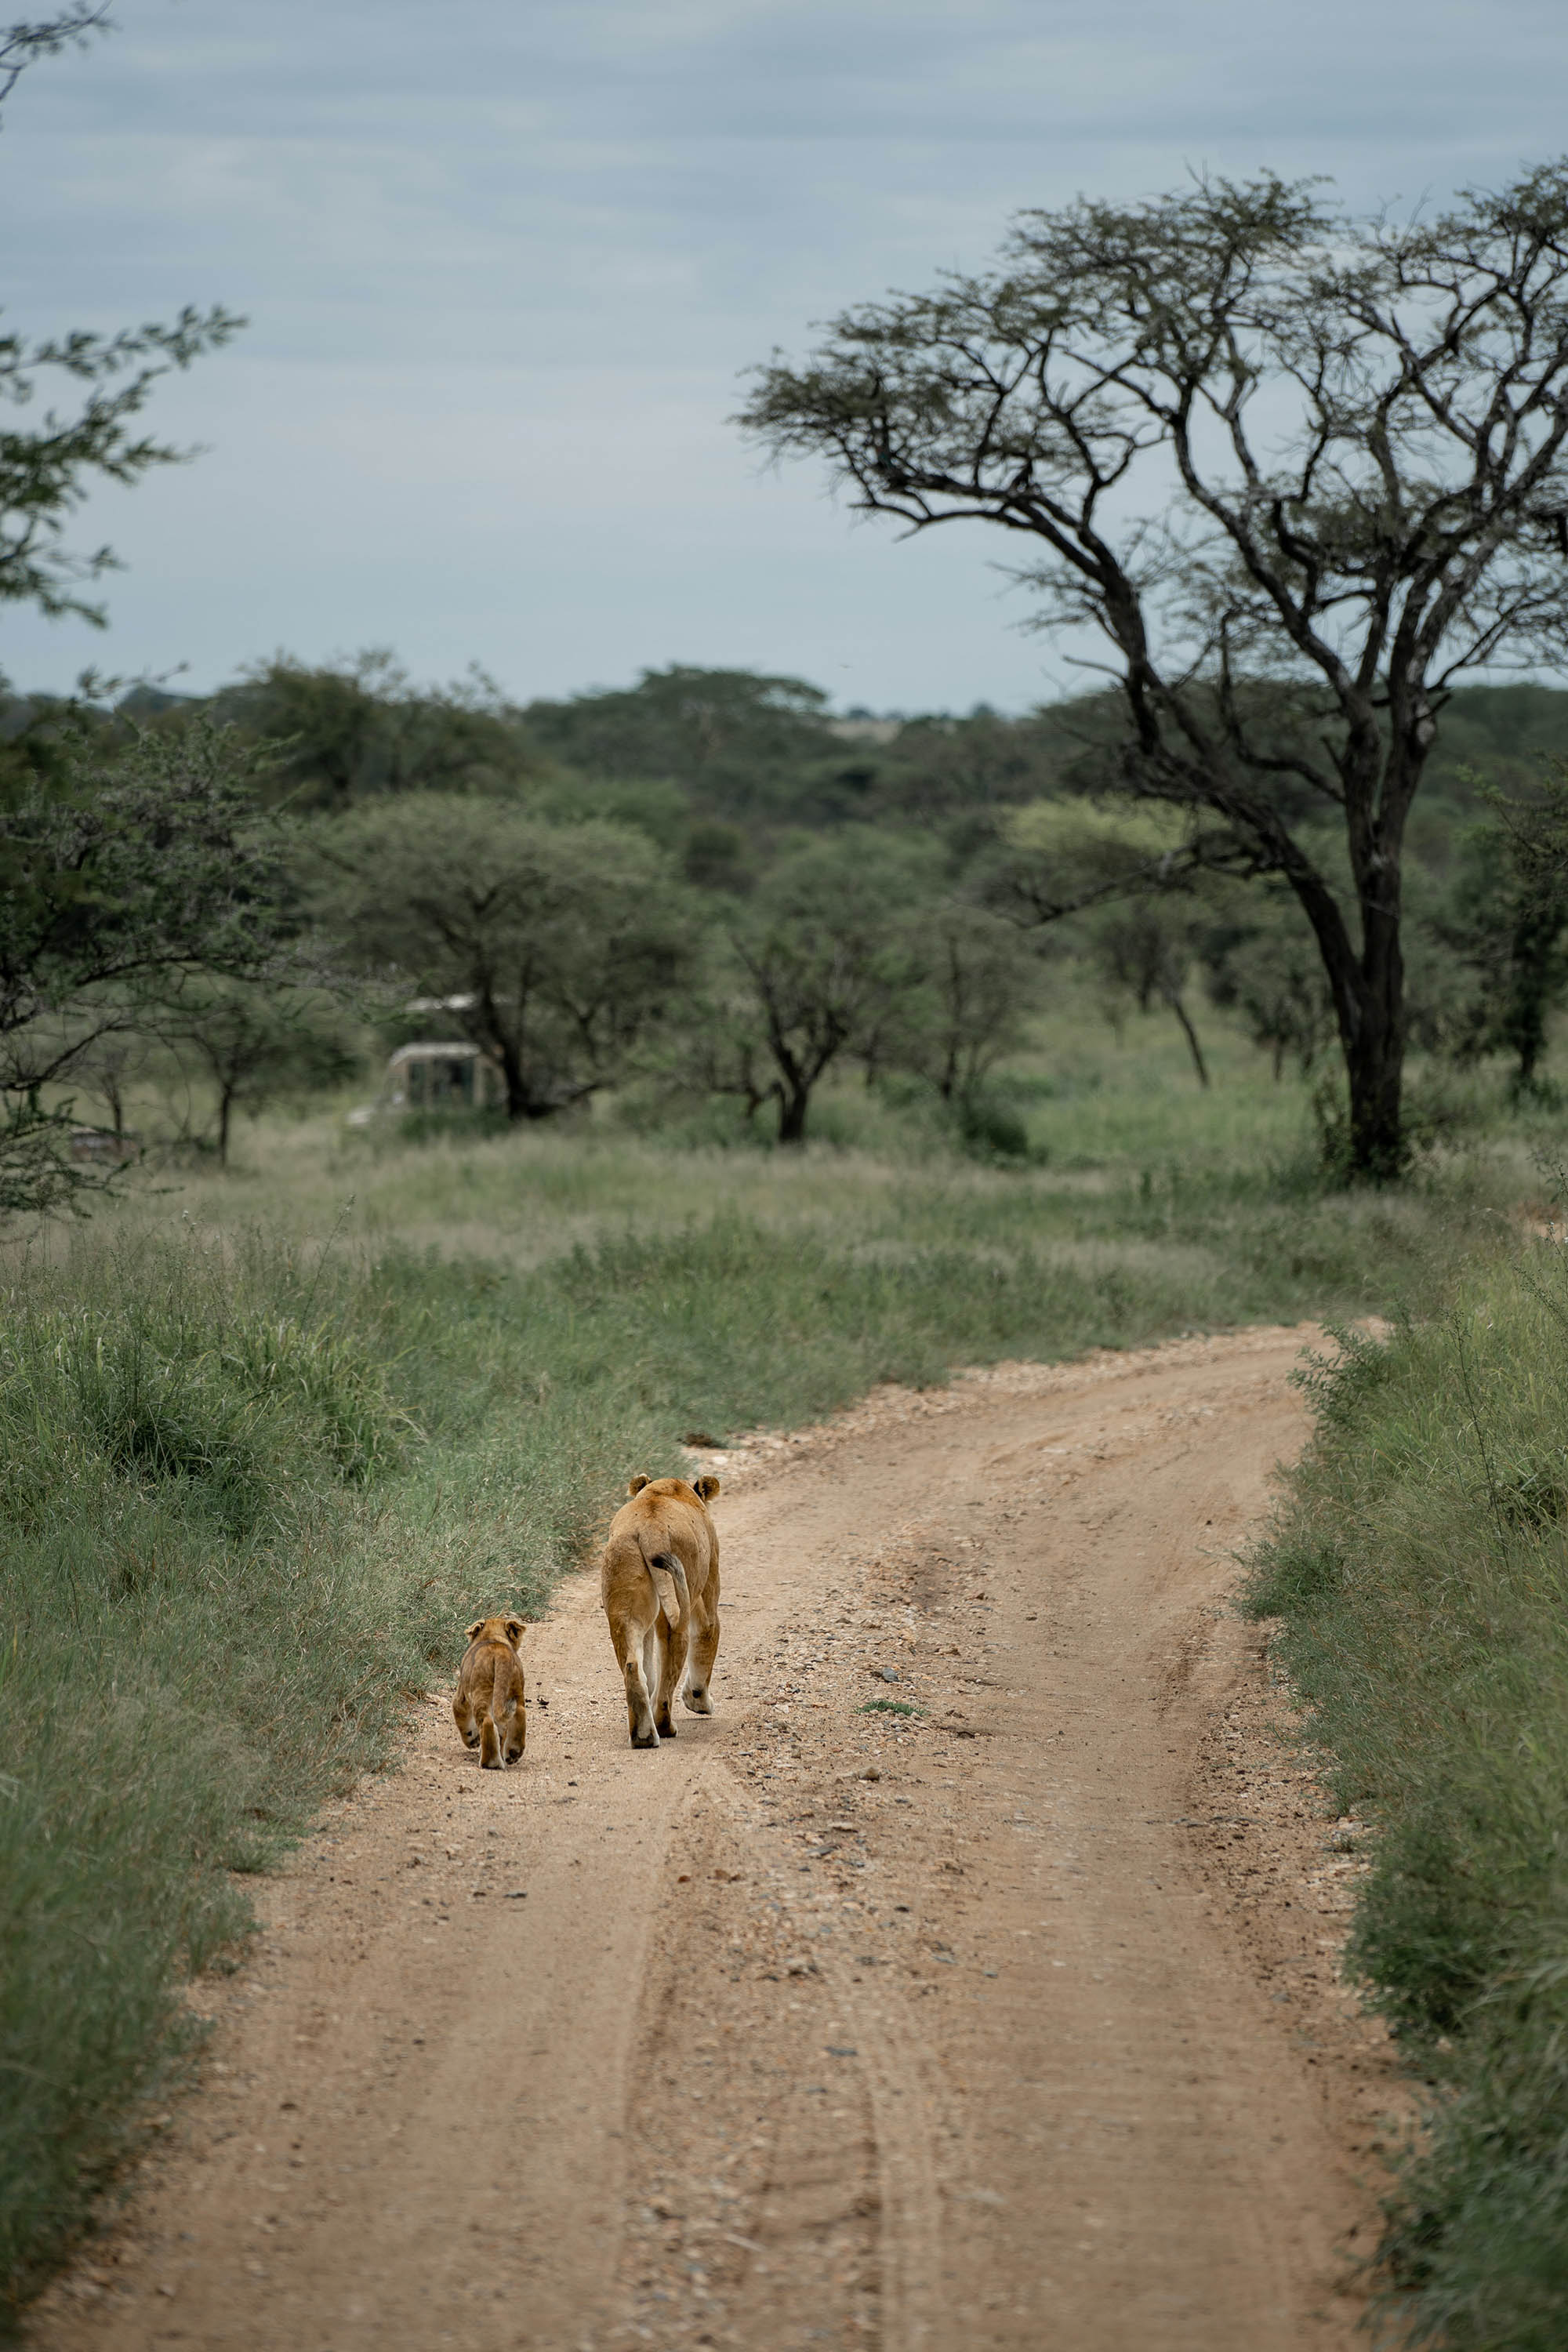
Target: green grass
(1091, 1109)
(252, 1486)
(1421, 1569)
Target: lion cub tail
(489, 1742)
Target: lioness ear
(516, 1627)
(638, 1484)
(708, 1488)
(476, 1629)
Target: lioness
(660, 1578)
(489, 1709)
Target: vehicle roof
(459, 1048)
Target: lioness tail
(668, 1584)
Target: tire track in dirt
(958, 2027)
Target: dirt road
(1010, 2022)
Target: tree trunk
(1369, 1007)
(225, 1105)
(1190, 1033)
(520, 1103)
(793, 1103)
(1375, 1068)
(1533, 992)
(1528, 1022)
(1375, 1058)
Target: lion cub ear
(516, 1627)
(475, 1630)
(638, 1484)
(708, 1488)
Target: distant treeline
(723, 765)
(707, 882)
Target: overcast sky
(505, 260)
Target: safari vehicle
(91, 1144)
(447, 1076)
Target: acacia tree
(978, 980)
(1506, 924)
(254, 1043)
(44, 473)
(351, 730)
(1299, 471)
(1267, 971)
(558, 949)
(821, 964)
(132, 875)
(1145, 947)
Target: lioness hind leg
(659, 1662)
(703, 1650)
(639, 1712)
(629, 1631)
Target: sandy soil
(1013, 2020)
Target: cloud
(504, 266)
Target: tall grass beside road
(1421, 1568)
(250, 1491)
(205, 1626)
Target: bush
(990, 1128)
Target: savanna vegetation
(1421, 1572)
(1295, 472)
(787, 1109)
(829, 1049)
(753, 895)
(269, 1434)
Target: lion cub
(488, 1707)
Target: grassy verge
(1422, 1573)
(248, 1494)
